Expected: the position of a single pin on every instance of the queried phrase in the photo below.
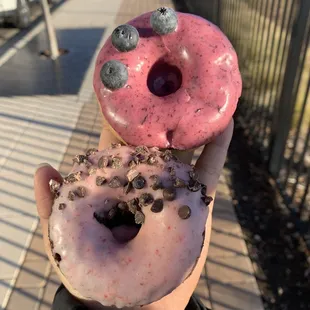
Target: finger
(44, 197)
(212, 159)
(108, 136)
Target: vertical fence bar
(300, 167)
(259, 33)
(252, 48)
(302, 113)
(243, 42)
(239, 24)
(235, 4)
(285, 109)
(262, 50)
(282, 70)
(279, 64)
(263, 76)
(302, 207)
(264, 112)
(218, 13)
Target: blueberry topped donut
(167, 79)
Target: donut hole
(120, 222)
(164, 79)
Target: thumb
(44, 197)
(212, 159)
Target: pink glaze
(148, 267)
(199, 110)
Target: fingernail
(42, 165)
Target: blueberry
(164, 20)
(125, 38)
(114, 74)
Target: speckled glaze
(148, 267)
(199, 110)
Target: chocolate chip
(115, 182)
(171, 171)
(132, 164)
(184, 212)
(103, 162)
(152, 160)
(128, 187)
(62, 206)
(146, 199)
(116, 163)
(99, 217)
(112, 214)
(193, 175)
(133, 205)
(142, 150)
(80, 159)
(92, 171)
(81, 191)
(100, 181)
(54, 186)
(138, 182)
(57, 257)
(169, 193)
(91, 151)
(179, 183)
(122, 205)
(140, 158)
(73, 177)
(115, 145)
(194, 185)
(71, 195)
(139, 218)
(131, 174)
(167, 155)
(157, 206)
(87, 164)
(156, 183)
(207, 200)
(203, 190)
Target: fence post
(282, 118)
(218, 13)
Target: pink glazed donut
(167, 79)
(127, 226)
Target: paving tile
(19, 202)
(235, 296)
(14, 232)
(224, 216)
(33, 274)
(24, 298)
(11, 181)
(229, 269)
(224, 244)
(4, 289)
(222, 189)
(202, 290)
(8, 141)
(49, 291)
(36, 248)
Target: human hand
(209, 166)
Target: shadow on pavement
(26, 73)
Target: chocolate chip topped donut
(127, 225)
(167, 79)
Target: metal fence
(271, 38)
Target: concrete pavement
(42, 120)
